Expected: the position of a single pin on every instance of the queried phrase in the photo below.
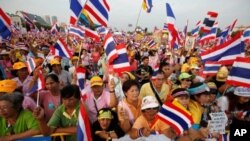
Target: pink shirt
(102, 102)
(24, 84)
(95, 56)
(49, 103)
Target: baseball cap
(149, 102)
(54, 62)
(74, 58)
(19, 65)
(96, 81)
(7, 86)
(105, 114)
(184, 75)
(222, 74)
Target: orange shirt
(133, 112)
(141, 122)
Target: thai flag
(225, 53)
(151, 43)
(5, 24)
(77, 31)
(246, 35)
(155, 70)
(165, 27)
(211, 68)
(40, 83)
(171, 26)
(147, 5)
(121, 63)
(102, 30)
(110, 49)
(54, 29)
(75, 42)
(98, 11)
(27, 19)
(81, 75)
(210, 35)
(209, 21)
(175, 116)
(224, 137)
(195, 32)
(239, 74)
(75, 10)
(61, 49)
(90, 33)
(83, 127)
(31, 64)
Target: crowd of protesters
(118, 106)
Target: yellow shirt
(196, 111)
(147, 91)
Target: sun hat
(19, 65)
(222, 74)
(74, 58)
(149, 102)
(198, 88)
(7, 86)
(242, 91)
(96, 81)
(54, 62)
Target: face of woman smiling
(133, 93)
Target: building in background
(54, 19)
(47, 19)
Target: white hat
(4, 52)
(242, 91)
(149, 102)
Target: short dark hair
(128, 84)
(53, 76)
(69, 91)
(144, 57)
(16, 98)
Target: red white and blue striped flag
(40, 83)
(98, 11)
(151, 43)
(239, 74)
(61, 49)
(209, 21)
(83, 127)
(77, 31)
(175, 116)
(110, 49)
(246, 35)
(211, 68)
(31, 64)
(195, 31)
(75, 10)
(5, 25)
(225, 53)
(121, 63)
(155, 70)
(81, 75)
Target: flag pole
(138, 18)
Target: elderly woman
(129, 107)
(15, 122)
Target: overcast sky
(124, 12)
